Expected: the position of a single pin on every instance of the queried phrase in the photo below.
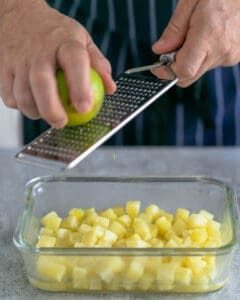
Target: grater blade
(65, 148)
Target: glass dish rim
(230, 191)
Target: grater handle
(165, 59)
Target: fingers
(73, 58)
(175, 33)
(23, 94)
(102, 66)
(6, 89)
(44, 89)
(189, 59)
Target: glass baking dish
(62, 193)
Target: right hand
(34, 41)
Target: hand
(34, 41)
(207, 34)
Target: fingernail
(59, 124)
(84, 107)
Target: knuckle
(187, 71)
(38, 77)
(70, 49)
(10, 102)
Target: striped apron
(206, 113)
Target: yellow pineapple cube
(77, 212)
(137, 244)
(90, 218)
(182, 213)
(109, 267)
(125, 220)
(146, 281)
(89, 211)
(46, 241)
(153, 212)
(196, 220)
(89, 238)
(157, 243)
(109, 213)
(142, 229)
(145, 217)
(84, 228)
(80, 279)
(183, 276)
(99, 231)
(51, 220)
(95, 283)
(64, 238)
(179, 226)
(76, 236)
(51, 270)
(153, 264)
(118, 229)
(211, 261)
(121, 243)
(165, 273)
(119, 211)
(164, 213)
(206, 214)
(196, 264)
(101, 221)
(133, 208)
(46, 231)
(200, 281)
(213, 228)
(163, 225)
(109, 237)
(199, 235)
(171, 244)
(79, 245)
(70, 222)
(135, 270)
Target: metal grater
(65, 148)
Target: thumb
(176, 31)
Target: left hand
(206, 35)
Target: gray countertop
(223, 163)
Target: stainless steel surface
(65, 148)
(223, 163)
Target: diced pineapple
(84, 228)
(76, 236)
(165, 273)
(109, 213)
(89, 211)
(109, 237)
(89, 238)
(183, 276)
(133, 208)
(90, 218)
(64, 238)
(99, 231)
(95, 283)
(164, 213)
(153, 264)
(101, 221)
(79, 245)
(142, 228)
(119, 211)
(145, 217)
(213, 228)
(121, 243)
(118, 229)
(200, 280)
(51, 270)
(146, 281)
(171, 244)
(196, 220)
(179, 226)
(153, 211)
(51, 220)
(196, 264)
(108, 267)
(77, 212)
(70, 222)
(199, 236)
(125, 220)
(170, 235)
(157, 243)
(137, 244)
(46, 241)
(154, 230)
(80, 279)
(206, 214)
(163, 225)
(135, 270)
(182, 213)
(46, 231)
